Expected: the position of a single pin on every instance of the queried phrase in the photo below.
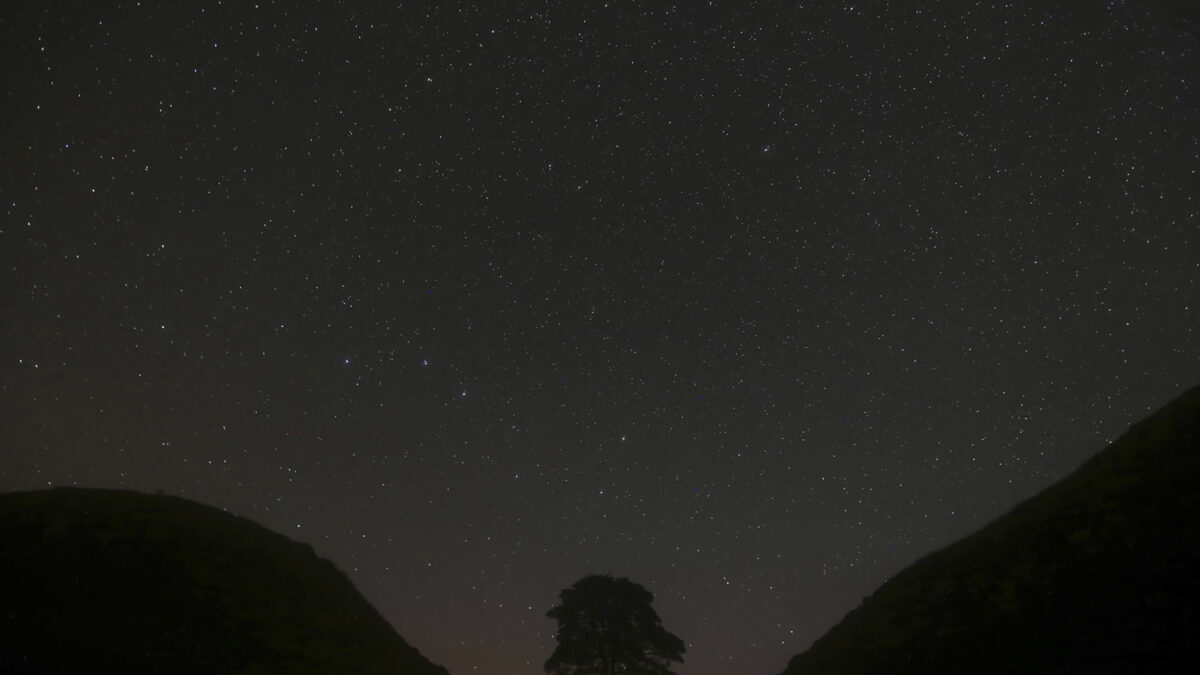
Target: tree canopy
(607, 626)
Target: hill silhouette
(108, 581)
(1099, 573)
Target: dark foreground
(1100, 573)
(109, 581)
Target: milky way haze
(754, 303)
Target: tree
(606, 626)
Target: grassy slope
(1100, 573)
(115, 581)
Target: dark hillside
(108, 581)
(1100, 573)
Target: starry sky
(754, 303)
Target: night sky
(754, 303)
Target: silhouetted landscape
(1097, 574)
(112, 581)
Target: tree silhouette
(606, 626)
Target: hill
(1100, 573)
(108, 581)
